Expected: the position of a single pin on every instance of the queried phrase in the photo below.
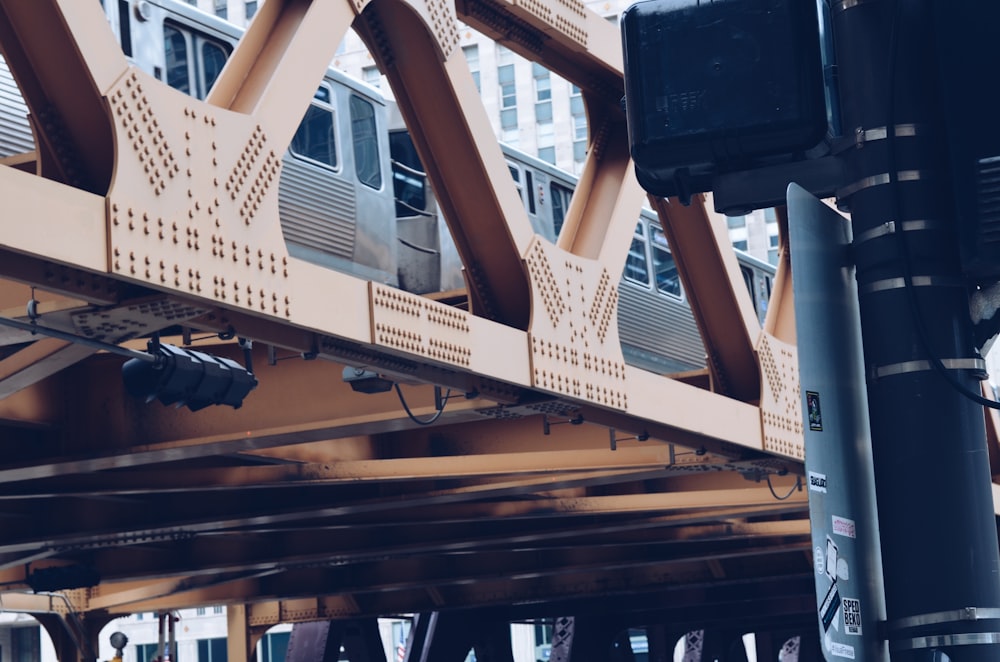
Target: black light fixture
(186, 378)
(118, 642)
(363, 380)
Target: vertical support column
(439, 637)
(362, 641)
(315, 641)
(239, 645)
(938, 531)
(493, 643)
(661, 645)
(74, 636)
(584, 638)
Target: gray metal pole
(935, 509)
(840, 475)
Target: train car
(335, 195)
(353, 195)
(650, 287)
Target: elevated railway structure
(555, 480)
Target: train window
(213, 58)
(315, 139)
(561, 196)
(178, 76)
(194, 60)
(636, 264)
(515, 173)
(529, 186)
(124, 27)
(364, 131)
(667, 279)
(409, 182)
(748, 279)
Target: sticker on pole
(815, 414)
(844, 527)
(852, 616)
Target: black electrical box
(720, 86)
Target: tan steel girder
(556, 471)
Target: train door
(655, 324)
(175, 43)
(560, 196)
(530, 182)
(375, 245)
(417, 223)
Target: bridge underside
(547, 487)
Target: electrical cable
(426, 421)
(914, 304)
(795, 487)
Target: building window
(199, 611)
(740, 244)
(26, 644)
(222, 8)
(543, 83)
(371, 76)
(508, 97)
(543, 112)
(472, 57)
(217, 610)
(273, 646)
(145, 652)
(734, 222)
(545, 136)
(251, 8)
(212, 650)
(504, 55)
(579, 114)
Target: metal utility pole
(933, 486)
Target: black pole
(933, 485)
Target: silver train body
(353, 195)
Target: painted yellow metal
(63, 224)
(41, 359)
(417, 46)
(780, 320)
(721, 303)
(781, 398)
(540, 442)
(62, 74)
(241, 642)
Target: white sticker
(841, 650)
(818, 558)
(843, 527)
(852, 616)
(817, 482)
